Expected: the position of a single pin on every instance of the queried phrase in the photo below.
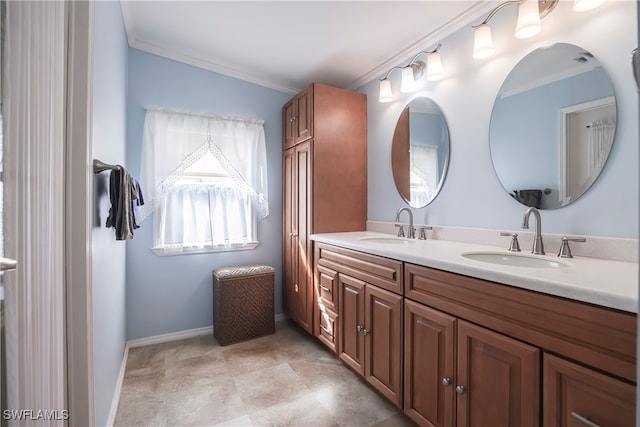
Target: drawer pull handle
(460, 389)
(324, 288)
(584, 420)
(325, 329)
(446, 381)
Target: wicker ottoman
(243, 303)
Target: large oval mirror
(420, 152)
(552, 126)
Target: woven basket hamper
(243, 303)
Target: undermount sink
(513, 260)
(386, 240)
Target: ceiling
(285, 45)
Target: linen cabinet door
(289, 225)
(498, 380)
(300, 238)
(303, 118)
(429, 365)
(351, 319)
(575, 396)
(288, 122)
(383, 342)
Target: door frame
(78, 201)
(563, 156)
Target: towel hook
(99, 166)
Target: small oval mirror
(420, 152)
(552, 126)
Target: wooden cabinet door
(429, 365)
(303, 287)
(288, 121)
(383, 342)
(289, 224)
(303, 118)
(298, 281)
(352, 321)
(498, 381)
(574, 396)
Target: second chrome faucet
(538, 246)
(412, 230)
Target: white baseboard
(116, 395)
(173, 336)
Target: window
(207, 177)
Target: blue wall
(430, 129)
(174, 293)
(108, 255)
(471, 195)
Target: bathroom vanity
(456, 341)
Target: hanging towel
(139, 201)
(122, 192)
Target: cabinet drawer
(327, 324)
(596, 336)
(383, 272)
(327, 289)
(575, 395)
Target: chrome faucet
(412, 230)
(538, 247)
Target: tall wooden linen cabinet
(324, 183)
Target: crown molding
(194, 60)
(211, 66)
(479, 10)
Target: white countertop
(607, 283)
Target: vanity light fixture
(412, 72)
(584, 5)
(528, 25)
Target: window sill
(209, 249)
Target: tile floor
(285, 379)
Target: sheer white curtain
(192, 214)
(196, 214)
(600, 137)
(424, 173)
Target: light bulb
(528, 19)
(434, 67)
(408, 83)
(385, 91)
(483, 42)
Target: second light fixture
(412, 72)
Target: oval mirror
(420, 152)
(552, 126)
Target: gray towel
(122, 191)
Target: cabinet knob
(359, 328)
(460, 389)
(366, 331)
(446, 381)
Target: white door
(47, 50)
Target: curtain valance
(174, 140)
